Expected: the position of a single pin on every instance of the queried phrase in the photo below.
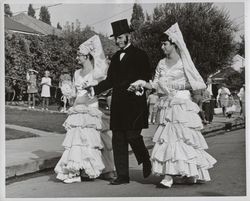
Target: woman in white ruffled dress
(86, 151)
(179, 148)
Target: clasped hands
(137, 87)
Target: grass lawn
(11, 134)
(38, 120)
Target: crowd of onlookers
(35, 92)
(43, 92)
(215, 99)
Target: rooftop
(37, 25)
(12, 25)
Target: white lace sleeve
(154, 83)
(76, 83)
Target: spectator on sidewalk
(231, 107)
(32, 87)
(214, 90)
(10, 90)
(152, 100)
(222, 98)
(197, 97)
(206, 107)
(16, 87)
(45, 94)
(212, 102)
(241, 96)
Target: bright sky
(100, 15)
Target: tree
(158, 13)
(58, 26)
(78, 26)
(148, 18)
(31, 11)
(7, 11)
(137, 18)
(207, 31)
(49, 52)
(44, 15)
(241, 46)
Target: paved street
(228, 178)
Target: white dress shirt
(123, 53)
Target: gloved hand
(91, 92)
(136, 85)
(139, 83)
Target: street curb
(49, 163)
(231, 126)
(36, 109)
(31, 167)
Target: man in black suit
(129, 112)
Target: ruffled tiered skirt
(107, 151)
(179, 145)
(83, 144)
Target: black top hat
(120, 27)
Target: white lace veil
(93, 46)
(191, 72)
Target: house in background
(237, 66)
(238, 63)
(37, 25)
(230, 74)
(12, 26)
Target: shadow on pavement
(136, 175)
(48, 158)
(204, 193)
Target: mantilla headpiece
(93, 46)
(191, 72)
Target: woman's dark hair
(90, 57)
(164, 37)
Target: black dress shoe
(119, 181)
(147, 166)
(109, 176)
(87, 179)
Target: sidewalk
(30, 155)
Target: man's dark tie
(122, 51)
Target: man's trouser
(120, 141)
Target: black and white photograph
(124, 100)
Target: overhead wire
(97, 22)
(92, 24)
(25, 11)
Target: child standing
(32, 87)
(64, 81)
(46, 84)
(152, 99)
(206, 107)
